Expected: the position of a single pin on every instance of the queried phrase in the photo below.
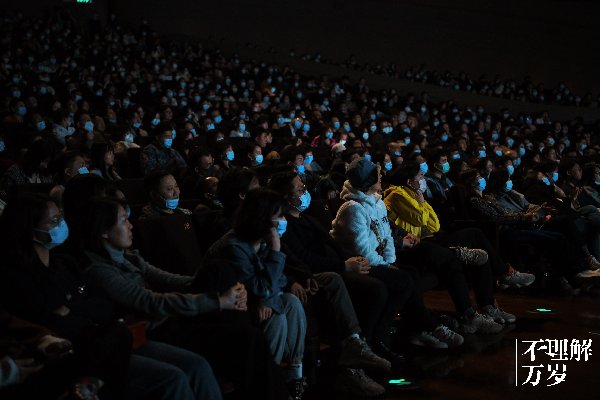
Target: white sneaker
(427, 339)
(499, 315)
(479, 323)
(448, 336)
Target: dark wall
(551, 40)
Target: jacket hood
(350, 193)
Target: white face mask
(423, 185)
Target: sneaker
(357, 354)
(516, 279)
(468, 256)
(296, 388)
(479, 323)
(499, 315)
(383, 351)
(588, 277)
(592, 263)
(355, 382)
(445, 335)
(427, 339)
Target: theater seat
(134, 191)
(170, 243)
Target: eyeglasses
(56, 219)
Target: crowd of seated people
(311, 196)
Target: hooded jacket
(353, 227)
(407, 213)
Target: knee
(331, 280)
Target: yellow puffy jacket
(404, 211)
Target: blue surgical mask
(281, 226)
(259, 159)
(444, 137)
(336, 125)
(521, 151)
(551, 141)
(230, 155)
(546, 181)
(172, 204)
(155, 121)
(128, 137)
(137, 125)
(218, 119)
(397, 153)
(242, 128)
(173, 133)
(306, 127)
(297, 124)
(597, 183)
(329, 135)
(567, 143)
(21, 110)
(555, 176)
(347, 128)
(58, 235)
(582, 147)
(482, 154)
(445, 167)
(388, 166)
(210, 127)
(456, 156)
(373, 128)
(83, 171)
(495, 136)
(508, 186)
(365, 135)
(510, 142)
(308, 159)
(407, 140)
(41, 125)
(367, 157)
(89, 126)
(517, 162)
(300, 169)
(424, 167)
(2, 146)
(481, 184)
(193, 132)
(499, 153)
(510, 169)
(167, 143)
(304, 201)
(281, 120)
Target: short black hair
(253, 219)
(236, 181)
(153, 179)
(403, 173)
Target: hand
(62, 311)
(298, 291)
(264, 313)
(27, 366)
(531, 217)
(235, 298)
(52, 346)
(312, 286)
(358, 264)
(410, 240)
(274, 239)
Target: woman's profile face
(120, 234)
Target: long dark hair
(405, 172)
(22, 215)
(102, 215)
(97, 153)
(253, 220)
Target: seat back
(134, 191)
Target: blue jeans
(286, 332)
(161, 371)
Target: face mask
(306, 128)
(137, 125)
(193, 132)
(41, 125)
(555, 176)
(510, 142)
(436, 124)
(444, 137)
(300, 169)
(373, 128)
(167, 143)
(499, 153)
(58, 235)
(551, 141)
(230, 155)
(281, 226)
(482, 154)
(308, 159)
(424, 167)
(567, 143)
(218, 119)
(172, 204)
(456, 156)
(387, 130)
(365, 135)
(422, 185)
(304, 202)
(582, 147)
(242, 128)
(367, 157)
(2, 146)
(481, 184)
(297, 124)
(155, 121)
(329, 135)
(129, 137)
(510, 169)
(336, 125)
(281, 120)
(407, 140)
(21, 110)
(521, 151)
(210, 127)
(343, 141)
(388, 166)
(546, 181)
(508, 186)
(347, 128)
(495, 136)
(445, 167)
(597, 183)
(83, 171)
(258, 158)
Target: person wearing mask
(161, 156)
(103, 162)
(164, 192)
(252, 250)
(32, 167)
(361, 228)
(66, 166)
